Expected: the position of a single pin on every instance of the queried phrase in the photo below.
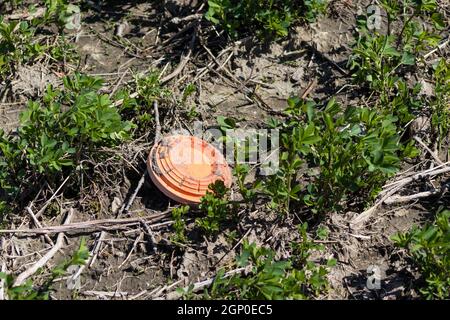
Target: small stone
(115, 205)
(427, 88)
(297, 76)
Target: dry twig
(396, 186)
(90, 226)
(47, 203)
(183, 61)
(402, 199)
(439, 47)
(38, 225)
(43, 261)
(435, 157)
(203, 284)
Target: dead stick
(308, 90)
(96, 248)
(138, 238)
(118, 294)
(439, 47)
(389, 186)
(156, 293)
(191, 17)
(183, 30)
(201, 72)
(420, 195)
(366, 214)
(43, 261)
(120, 101)
(435, 157)
(151, 236)
(93, 225)
(183, 61)
(234, 247)
(206, 283)
(38, 225)
(41, 211)
(39, 12)
(92, 255)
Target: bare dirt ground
(241, 79)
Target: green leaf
(438, 20)
(408, 59)
(293, 101)
(329, 121)
(331, 262)
(391, 51)
(226, 123)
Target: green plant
(314, 8)
(357, 151)
(63, 50)
(248, 193)
(216, 208)
(381, 61)
(179, 224)
(64, 14)
(28, 291)
(375, 61)
(15, 3)
(58, 130)
(265, 17)
(17, 46)
(268, 279)
(295, 143)
(242, 148)
(341, 152)
(3, 211)
(298, 278)
(232, 237)
(149, 89)
(410, 11)
(429, 247)
(188, 91)
(322, 233)
(315, 274)
(226, 123)
(440, 119)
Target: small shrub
(17, 46)
(440, 119)
(315, 274)
(357, 151)
(347, 152)
(429, 247)
(265, 17)
(179, 224)
(216, 207)
(57, 131)
(381, 61)
(141, 109)
(298, 278)
(248, 193)
(20, 46)
(63, 13)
